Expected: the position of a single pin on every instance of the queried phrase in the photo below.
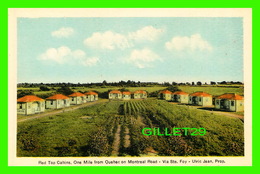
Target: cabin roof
(230, 96)
(200, 94)
(29, 98)
(165, 92)
(180, 93)
(91, 93)
(140, 92)
(115, 92)
(76, 94)
(57, 96)
(126, 93)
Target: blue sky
(141, 49)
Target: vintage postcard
(130, 87)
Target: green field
(213, 90)
(115, 129)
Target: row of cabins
(126, 95)
(228, 101)
(31, 104)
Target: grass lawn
(212, 90)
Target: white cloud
(63, 32)
(143, 58)
(58, 55)
(148, 33)
(90, 61)
(111, 40)
(64, 55)
(107, 40)
(193, 43)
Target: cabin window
(72, 99)
(241, 104)
(200, 99)
(21, 106)
(51, 102)
(64, 101)
(217, 102)
(232, 103)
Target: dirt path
(53, 112)
(116, 142)
(213, 111)
(227, 114)
(127, 138)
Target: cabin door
(194, 101)
(222, 104)
(175, 98)
(161, 96)
(36, 106)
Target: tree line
(128, 83)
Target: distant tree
(44, 88)
(173, 88)
(174, 83)
(24, 93)
(199, 83)
(192, 83)
(123, 89)
(103, 94)
(213, 83)
(104, 83)
(166, 84)
(64, 90)
(45, 95)
(223, 82)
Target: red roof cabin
(57, 101)
(30, 104)
(230, 102)
(77, 98)
(126, 95)
(165, 95)
(114, 95)
(180, 97)
(140, 94)
(91, 96)
(200, 98)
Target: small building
(126, 95)
(30, 104)
(200, 98)
(57, 101)
(165, 95)
(181, 97)
(91, 96)
(77, 98)
(140, 94)
(230, 102)
(115, 94)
